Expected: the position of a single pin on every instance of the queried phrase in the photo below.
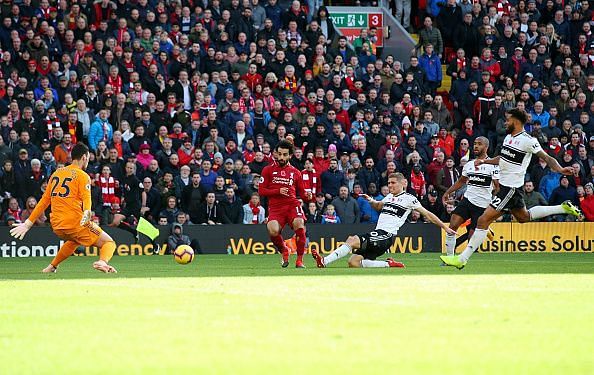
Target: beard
(509, 129)
(282, 163)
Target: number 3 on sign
(374, 20)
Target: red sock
(280, 245)
(300, 232)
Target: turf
(520, 313)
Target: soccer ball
(184, 254)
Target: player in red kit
(280, 183)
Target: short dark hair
(286, 145)
(79, 150)
(518, 115)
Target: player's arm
(84, 187)
(264, 188)
(376, 205)
(434, 219)
(463, 180)
(493, 161)
(554, 164)
(18, 231)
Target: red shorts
(285, 215)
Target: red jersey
(275, 177)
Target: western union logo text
(323, 246)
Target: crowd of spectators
(182, 103)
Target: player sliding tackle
(280, 182)
(518, 148)
(479, 188)
(69, 194)
(394, 209)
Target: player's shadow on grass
(268, 265)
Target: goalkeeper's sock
(474, 243)
(300, 232)
(366, 263)
(450, 244)
(538, 212)
(340, 252)
(107, 250)
(65, 251)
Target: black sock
(460, 240)
(128, 228)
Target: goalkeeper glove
(18, 231)
(86, 218)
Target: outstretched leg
(343, 250)
(65, 251)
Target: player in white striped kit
(394, 210)
(479, 189)
(516, 153)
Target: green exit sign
(349, 20)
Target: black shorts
(466, 210)
(508, 198)
(374, 243)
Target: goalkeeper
(69, 194)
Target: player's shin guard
(107, 250)
(478, 237)
(65, 251)
(340, 252)
(450, 244)
(300, 232)
(366, 263)
(538, 212)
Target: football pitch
(504, 313)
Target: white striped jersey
(515, 157)
(480, 182)
(395, 211)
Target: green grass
(504, 313)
